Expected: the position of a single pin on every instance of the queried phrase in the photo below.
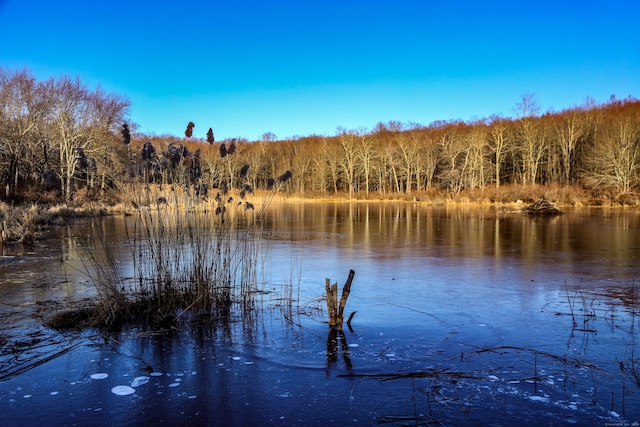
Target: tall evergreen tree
(126, 134)
(189, 131)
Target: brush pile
(542, 207)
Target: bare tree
(22, 149)
(366, 154)
(532, 142)
(499, 144)
(452, 160)
(569, 130)
(348, 141)
(614, 159)
(475, 170)
(426, 158)
(81, 119)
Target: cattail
(248, 206)
(223, 150)
(148, 151)
(232, 146)
(243, 170)
(223, 189)
(248, 189)
(242, 194)
(285, 177)
(270, 183)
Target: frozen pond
(464, 316)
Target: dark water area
(464, 316)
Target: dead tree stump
(335, 309)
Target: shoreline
(23, 223)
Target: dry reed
(190, 253)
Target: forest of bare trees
(57, 134)
(57, 137)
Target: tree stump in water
(335, 309)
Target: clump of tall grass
(22, 224)
(191, 251)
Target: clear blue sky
(303, 67)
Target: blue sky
(297, 68)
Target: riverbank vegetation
(63, 143)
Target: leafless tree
(614, 158)
(348, 141)
(499, 144)
(531, 140)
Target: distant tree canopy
(60, 135)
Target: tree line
(59, 137)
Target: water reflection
(585, 241)
(336, 338)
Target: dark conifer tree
(189, 132)
(126, 135)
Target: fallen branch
(564, 359)
(432, 373)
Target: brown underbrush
(563, 195)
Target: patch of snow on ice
(123, 390)
(99, 376)
(138, 381)
(539, 399)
